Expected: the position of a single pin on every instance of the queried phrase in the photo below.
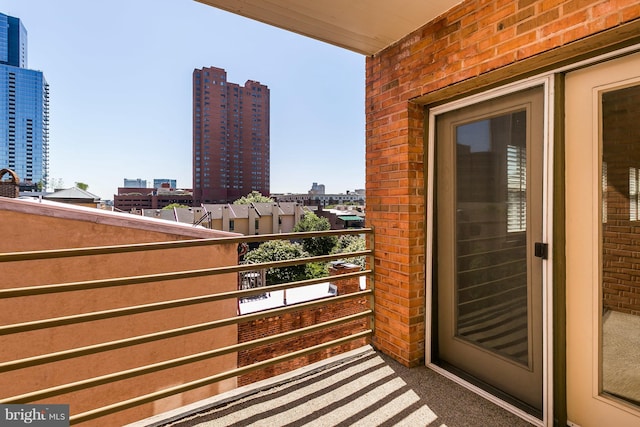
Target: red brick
(472, 38)
(277, 324)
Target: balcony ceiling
(363, 26)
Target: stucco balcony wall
(29, 226)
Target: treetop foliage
(351, 243)
(253, 197)
(316, 246)
(174, 205)
(312, 222)
(279, 250)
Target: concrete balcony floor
(360, 388)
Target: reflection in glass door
(620, 246)
(491, 238)
(489, 217)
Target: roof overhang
(363, 26)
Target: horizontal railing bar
(183, 302)
(149, 278)
(300, 283)
(136, 401)
(130, 373)
(103, 250)
(156, 336)
(145, 308)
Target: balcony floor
(363, 388)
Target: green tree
(316, 246)
(279, 250)
(253, 197)
(317, 269)
(174, 205)
(352, 243)
(82, 186)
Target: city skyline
(120, 78)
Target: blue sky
(120, 91)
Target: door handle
(541, 250)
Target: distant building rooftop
(298, 295)
(73, 193)
(277, 299)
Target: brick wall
(621, 235)
(298, 319)
(470, 40)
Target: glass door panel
(491, 237)
(620, 246)
(489, 216)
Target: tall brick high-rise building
(230, 137)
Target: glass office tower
(24, 109)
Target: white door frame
(547, 81)
(584, 144)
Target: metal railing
(24, 258)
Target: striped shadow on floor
(361, 388)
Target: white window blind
(604, 192)
(516, 188)
(633, 193)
